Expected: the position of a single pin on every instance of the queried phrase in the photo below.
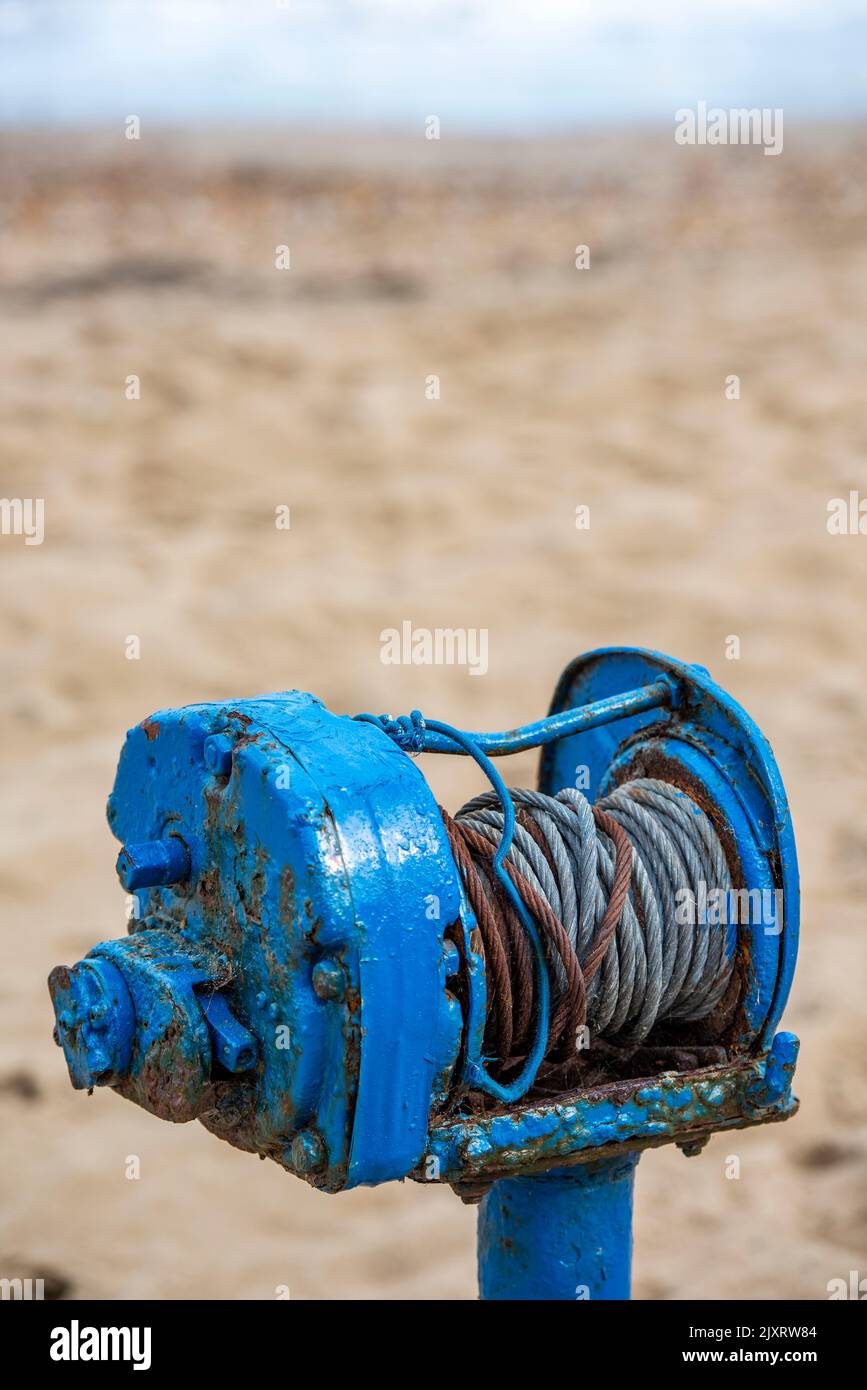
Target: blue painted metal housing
(314, 845)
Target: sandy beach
(165, 388)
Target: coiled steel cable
(606, 886)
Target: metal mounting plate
(623, 1116)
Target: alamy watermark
(29, 1290)
(23, 516)
(438, 646)
(847, 516)
(854, 1287)
(77, 1343)
(736, 126)
(721, 907)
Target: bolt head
(329, 981)
(153, 863)
(693, 1147)
(308, 1153)
(218, 755)
(473, 1150)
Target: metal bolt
(473, 1150)
(691, 1148)
(234, 1045)
(329, 981)
(307, 1151)
(154, 862)
(218, 755)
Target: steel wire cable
(615, 890)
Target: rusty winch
(327, 970)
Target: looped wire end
(407, 730)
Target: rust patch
(286, 907)
(244, 719)
(209, 890)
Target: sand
(306, 388)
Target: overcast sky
(507, 65)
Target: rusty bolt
(473, 1150)
(307, 1151)
(329, 981)
(691, 1148)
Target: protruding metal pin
(153, 863)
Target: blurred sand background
(306, 387)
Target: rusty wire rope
(614, 891)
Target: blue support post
(565, 1234)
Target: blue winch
(326, 969)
